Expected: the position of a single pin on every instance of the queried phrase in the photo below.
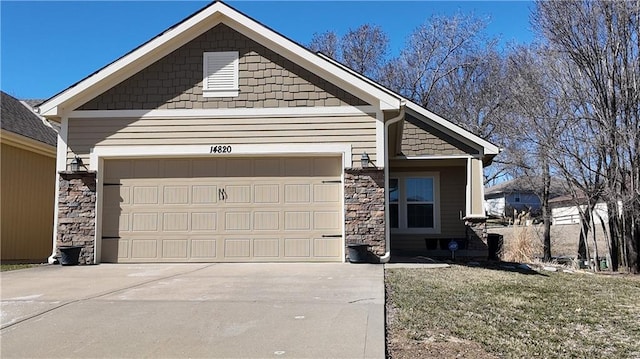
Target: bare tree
(434, 50)
(364, 49)
(598, 43)
(326, 43)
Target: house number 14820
(220, 149)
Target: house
(27, 187)
(566, 210)
(517, 195)
(221, 140)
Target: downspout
(61, 164)
(387, 235)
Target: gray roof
(17, 118)
(525, 185)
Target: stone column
(364, 208)
(77, 213)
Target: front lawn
(482, 313)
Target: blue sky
(47, 46)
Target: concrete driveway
(194, 311)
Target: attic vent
(220, 74)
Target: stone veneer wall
(476, 234)
(364, 208)
(77, 213)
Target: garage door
(222, 210)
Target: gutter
(387, 233)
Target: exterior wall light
(77, 165)
(364, 160)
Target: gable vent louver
(220, 74)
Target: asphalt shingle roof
(17, 118)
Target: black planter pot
(70, 255)
(358, 253)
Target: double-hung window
(413, 203)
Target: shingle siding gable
(266, 79)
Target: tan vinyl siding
(359, 131)
(27, 201)
(266, 79)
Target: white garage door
(222, 210)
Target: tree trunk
(546, 209)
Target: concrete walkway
(194, 310)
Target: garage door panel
(145, 195)
(330, 193)
(238, 167)
(144, 248)
(266, 247)
(175, 195)
(297, 221)
(328, 167)
(144, 222)
(147, 168)
(173, 167)
(237, 194)
(204, 168)
(203, 248)
(235, 247)
(326, 221)
(237, 221)
(297, 247)
(175, 222)
(297, 193)
(174, 248)
(297, 167)
(204, 221)
(327, 247)
(266, 194)
(223, 210)
(204, 194)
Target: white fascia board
(291, 149)
(228, 112)
(433, 157)
(149, 52)
(488, 148)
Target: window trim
(231, 90)
(403, 227)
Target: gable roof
(189, 29)
(19, 119)
(220, 13)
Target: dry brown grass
(522, 248)
(465, 312)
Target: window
(413, 203)
(220, 74)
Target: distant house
(565, 210)
(28, 161)
(518, 195)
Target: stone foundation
(476, 234)
(77, 213)
(364, 208)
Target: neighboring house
(27, 186)
(220, 140)
(564, 210)
(517, 195)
